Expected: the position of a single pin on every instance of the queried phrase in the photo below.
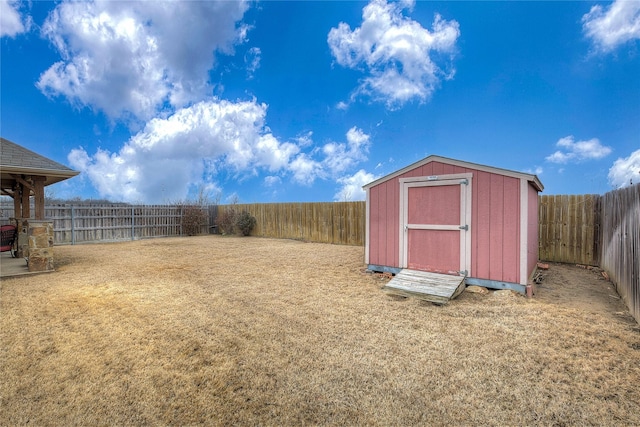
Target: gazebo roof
(17, 160)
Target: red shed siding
(384, 225)
(480, 226)
(496, 218)
(511, 230)
(495, 221)
(377, 221)
(495, 224)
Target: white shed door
(435, 218)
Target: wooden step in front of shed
(434, 287)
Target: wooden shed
(450, 217)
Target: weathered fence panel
(111, 222)
(620, 236)
(568, 228)
(77, 224)
(323, 222)
(337, 223)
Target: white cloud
(535, 171)
(611, 27)
(161, 162)
(305, 139)
(11, 21)
(572, 151)
(306, 170)
(134, 58)
(558, 157)
(399, 54)
(252, 61)
(351, 189)
(188, 149)
(338, 158)
(271, 181)
(625, 171)
(272, 154)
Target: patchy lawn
(247, 331)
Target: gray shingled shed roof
(17, 160)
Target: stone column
(40, 245)
(23, 237)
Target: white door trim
(367, 223)
(465, 182)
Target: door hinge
(463, 273)
(464, 181)
(464, 227)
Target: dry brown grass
(219, 331)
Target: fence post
(133, 229)
(73, 226)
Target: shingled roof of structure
(14, 155)
(15, 159)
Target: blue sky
(280, 101)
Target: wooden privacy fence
(77, 224)
(111, 222)
(596, 230)
(568, 229)
(620, 247)
(337, 223)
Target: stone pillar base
(23, 238)
(40, 245)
